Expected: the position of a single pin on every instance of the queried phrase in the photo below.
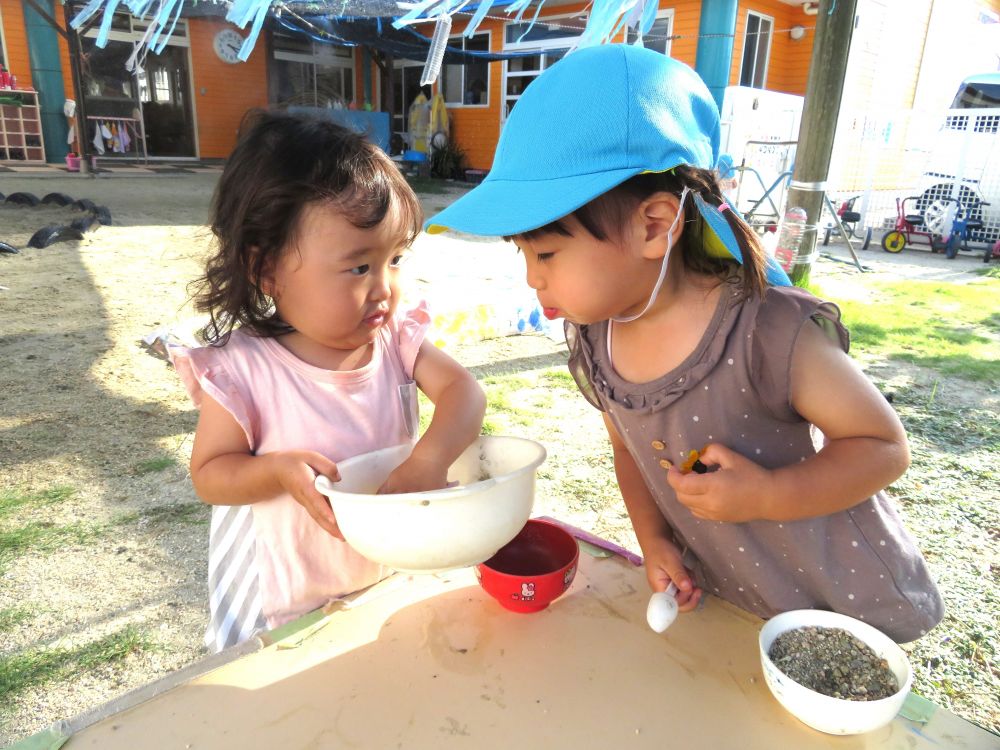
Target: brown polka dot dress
(734, 389)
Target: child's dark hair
(605, 216)
(282, 163)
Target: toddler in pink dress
(310, 362)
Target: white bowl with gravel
(825, 712)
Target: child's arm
(866, 449)
(660, 553)
(225, 472)
(459, 407)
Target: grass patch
(47, 537)
(951, 328)
(154, 465)
(11, 617)
(559, 377)
(39, 666)
(44, 536)
(992, 272)
(11, 501)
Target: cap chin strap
(663, 265)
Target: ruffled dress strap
(410, 330)
(581, 365)
(203, 370)
(781, 317)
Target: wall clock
(227, 45)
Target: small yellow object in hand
(693, 463)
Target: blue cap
(595, 119)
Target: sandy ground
(84, 404)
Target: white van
(964, 162)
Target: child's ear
(656, 216)
(266, 279)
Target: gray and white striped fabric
(234, 591)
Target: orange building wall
(788, 66)
(15, 37)
(16, 41)
(477, 129)
(222, 92)
(687, 17)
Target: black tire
(826, 235)
(23, 199)
(103, 215)
(6, 249)
(84, 204)
(84, 223)
(53, 233)
(868, 239)
(59, 199)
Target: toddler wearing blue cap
(713, 373)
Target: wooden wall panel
(16, 41)
(223, 93)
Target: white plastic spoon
(662, 609)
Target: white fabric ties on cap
(663, 265)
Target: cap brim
(500, 208)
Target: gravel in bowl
(814, 667)
(833, 662)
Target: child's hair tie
(723, 207)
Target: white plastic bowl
(822, 712)
(427, 532)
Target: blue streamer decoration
(607, 18)
(533, 20)
(477, 18)
(648, 17)
(166, 37)
(109, 12)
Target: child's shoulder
(781, 313)
(238, 347)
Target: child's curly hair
(281, 163)
(605, 216)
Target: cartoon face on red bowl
(532, 569)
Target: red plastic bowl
(532, 569)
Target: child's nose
(381, 286)
(533, 276)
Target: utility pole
(831, 44)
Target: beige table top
(434, 662)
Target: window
(756, 50)
(554, 33)
(658, 38)
(545, 44)
(521, 71)
(310, 74)
(468, 83)
(406, 87)
(977, 95)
